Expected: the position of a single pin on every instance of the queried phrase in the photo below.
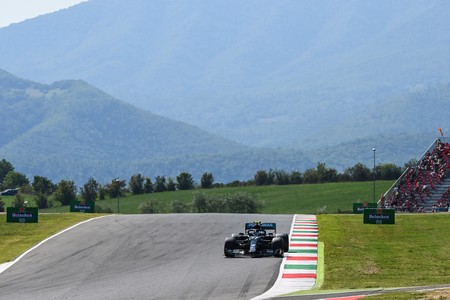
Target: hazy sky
(14, 11)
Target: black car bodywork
(259, 239)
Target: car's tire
(235, 235)
(229, 246)
(285, 238)
(277, 246)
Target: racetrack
(176, 256)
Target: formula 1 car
(259, 239)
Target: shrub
(149, 207)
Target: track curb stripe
(298, 271)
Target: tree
(66, 191)
(171, 186)
(206, 181)
(160, 184)
(148, 185)
(41, 201)
(358, 172)
(388, 172)
(261, 177)
(116, 188)
(325, 174)
(14, 180)
(90, 190)
(185, 181)
(296, 177)
(310, 176)
(282, 177)
(43, 185)
(2, 205)
(19, 201)
(137, 184)
(5, 168)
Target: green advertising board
(82, 206)
(358, 208)
(22, 214)
(379, 216)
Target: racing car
(259, 239)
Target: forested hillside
(72, 130)
(303, 74)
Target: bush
(238, 202)
(19, 201)
(149, 207)
(180, 207)
(2, 205)
(103, 209)
(41, 201)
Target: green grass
(412, 252)
(288, 199)
(16, 238)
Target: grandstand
(424, 187)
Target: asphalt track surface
(172, 256)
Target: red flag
(440, 130)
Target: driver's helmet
(261, 232)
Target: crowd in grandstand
(418, 182)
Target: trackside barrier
(298, 270)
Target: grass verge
(16, 238)
(412, 252)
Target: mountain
(311, 75)
(72, 130)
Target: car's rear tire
(277, 246)
(230, 245)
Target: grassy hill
(72, 130)
(286, 199)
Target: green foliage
(90, 190)
(171, 186)
(41, 201)
(65, 192)
(43, 185)
(5, 168)
(2, 205)
(160, 184)
(149, 207)
(103, 208)
(207, 180)
(115, 188)
(358, 172)
(148, 185)
(14, 179)
(179, 206)
(136, 184)
(238, 202)
(19, 201)
(185, 181)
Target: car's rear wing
(272, 226)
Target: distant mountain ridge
(317, 76)
(71, 130)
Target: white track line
(5, 266)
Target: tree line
(65, 191)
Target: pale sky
(14, 11)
